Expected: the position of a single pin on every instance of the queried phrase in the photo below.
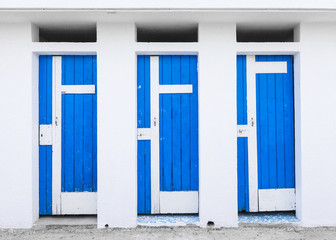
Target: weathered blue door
(265, 118)
(68, 134)
(167, 134)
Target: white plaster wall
(18, 134)
(315, 84)
(217, 125)
(318, 128)
(117, 132)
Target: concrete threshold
(58, 221)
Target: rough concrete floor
(163, 233)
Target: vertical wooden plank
(42, 149)
(144, 121)
(245, 140)
(262, 130)
(88, 128)
(280, 154)
(147, 177)
(185, 125)
(141, 91)
(141, 178)
(241, 90)
(289, 124)
(68, 101)
(141, 123)
(161, 124)
(240, 153)
(94, 125)
(42, 180)
(49, 148)
(194, 124)
(176, 126)
(166, 122)
(259, 157)
(271, 127)
(79, 127)
(49, 90)
(147, 124)
(242, 164)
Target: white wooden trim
(155, 135)
(242, 130)
(252, 134)
(171, 89)
(46, 135)
(57, 130)
(252, 68)
(79, 203)
(271, 48)
(270, 67)
(277, 199)
(144, 133)
(179, 202)
(78, 89)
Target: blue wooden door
(178, 129)
(77, 149)
(275, 132)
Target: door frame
(161, 201)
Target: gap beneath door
(268, 217)
(167, 220)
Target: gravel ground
(163, 233)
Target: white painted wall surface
(318, 128)
(315, 84)
(18, 131)
(117, 129)
(217, 125)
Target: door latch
(46, 134)
(252, 121)
(154, 122)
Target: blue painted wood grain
(242, 154)
(88, 126)
(68, 119)
(179, 125)
(194, 172)
(94, 126)
(143, 121)
(79, 126)
(185, 125)
(45, 152)
(275, 126)
(166, 155)
(176, 127)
